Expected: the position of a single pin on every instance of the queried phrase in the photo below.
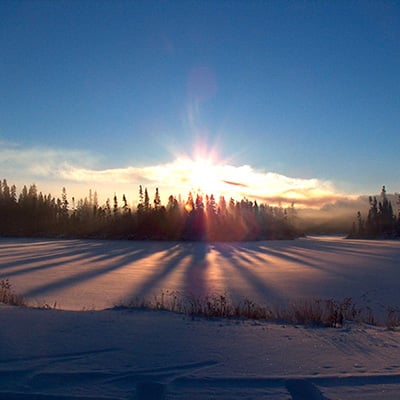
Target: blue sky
(292, 98)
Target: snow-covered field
(122, 354)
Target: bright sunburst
(201, 176)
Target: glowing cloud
(200, 176)
(49, 167)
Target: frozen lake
(97, 274)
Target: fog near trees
(380, 222)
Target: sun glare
(202, 176)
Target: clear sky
(279, 99)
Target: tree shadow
(247, 269)
(169, 263)
(196, 274)
(237, 256)
(98, 258)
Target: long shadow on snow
(28, 255)
(194, 278)
(298, 254)
(115, 255)
(196, 273)
(72, 258)
(237, 255)
(351, 247)
(171, 261)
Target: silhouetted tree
(381, 221)
(115, 206)
(157, 200)
(146, 200)
(125, 207)
(34, 214)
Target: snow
(118, 353)
(92, 274)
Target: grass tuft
(310, 312)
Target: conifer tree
(140, 206)
(107, 209)
(63, 205)
(13, 194)
(115, 206)
(189, 205)
(212, 205)
(125, 206)
(157, 200)
(6, 191)
(146, 200)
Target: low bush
(392, 318)
(8, 296)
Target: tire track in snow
(59, 357)
(41, 396)
(262, 382)
(170, 371)
(302, 389)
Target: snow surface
(93, 274)
(123, 354)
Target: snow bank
(123, 354)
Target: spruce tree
(157, 200)
(146, 200)
(115, 206)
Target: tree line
(33, 214)
(381, 222)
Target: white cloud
(52, 168)
(183, 176)
(38, 162)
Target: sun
(201, 173)
(201, 176)
(204, 172)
